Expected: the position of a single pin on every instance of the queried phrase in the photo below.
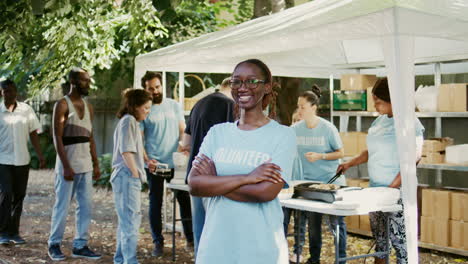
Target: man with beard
(162, 130)
(76, 166)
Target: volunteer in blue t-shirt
(240, 169)
(384, 169)
(319, 149)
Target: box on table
(370, 101)
(436, 144)
(456, 154)
(353, 142)
(349, 100)
(364, 223)
(432, 158)
(441, 232)
(352, 221)
(357, 82)
(459, 206)
(453, 97)
(426, 229)
(364, 184)
(458, 234)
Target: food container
(163, 170)
(305, 191)
(349, 100)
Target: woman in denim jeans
(319, 149)
(128, 172)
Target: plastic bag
(426, 98)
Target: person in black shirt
(213, 109)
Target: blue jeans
(315, 235)
(127, 200)
(198, 220)
(80, 188)
(302, 229)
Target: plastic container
(349, 100)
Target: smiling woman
(241, 177)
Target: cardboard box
(364, 223)
(453, 97)
(436, 144)
(441, 232)
(356, 82)
(370, 101)
(459, 206)
(426, 229)
(353, 182)
(352, 221)
(441, 203)
(457, 234)
(465, 236)
(364, 184)
(432, 158)
(427, 204)
(353, 143)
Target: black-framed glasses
(249, 83)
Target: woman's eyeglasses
(249, 83)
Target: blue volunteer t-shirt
(384, 162)
(323, 138)
(161, 131)
(245, 232)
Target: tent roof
(323, 37)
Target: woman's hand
(266, 172)
(313, 156)
(344, 167)
(204, 165)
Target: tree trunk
(261, 8)
(278, 5)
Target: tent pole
(181, 89)
(164, 84)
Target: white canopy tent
(327, 38)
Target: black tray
(329, 196)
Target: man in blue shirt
(162, 130)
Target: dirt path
(35, 228)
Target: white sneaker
(293, 258)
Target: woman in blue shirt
(384, 168)
(240, 169)
(319, 148)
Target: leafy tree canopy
(40, 40)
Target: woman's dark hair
(313, 96)
(6, 83)
(381, 91)
(268, 99)
(133, 98)
(149, 75)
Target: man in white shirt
(18, 122)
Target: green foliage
(48, 150)
(38, 50)
(105, 166)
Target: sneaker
(4, 240)
(158, 250)
(293, 258)
(16, 239)
(189, 246)
(85, 252)
(55, 253)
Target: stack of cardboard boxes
(360, 82)
(358, 222)
(444, 220)
(434, 150)
(353, 143)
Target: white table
(175, 188)
(326, 208)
